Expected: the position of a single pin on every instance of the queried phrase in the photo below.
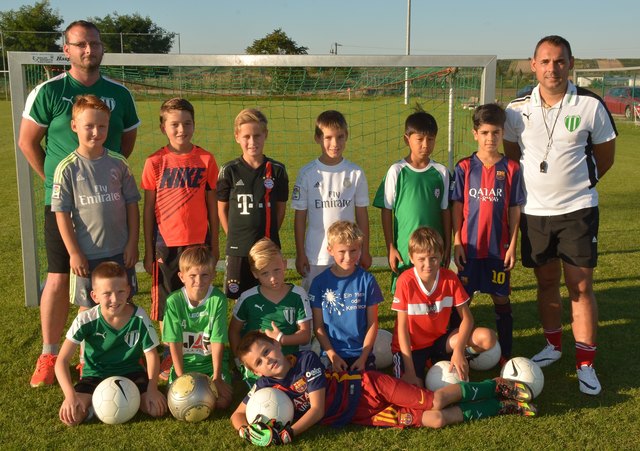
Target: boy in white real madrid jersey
(116, 335)
(328, 189)
(252, 195)
(195, 324)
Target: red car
(623, 100)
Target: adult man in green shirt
(47, 115)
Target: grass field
(568, 420)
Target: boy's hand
(273, 333)
(337, 363)
(215, 254)
(70, 411)
(459, 258)
(510, 259)
(366, 260)
(359, 364)
(79, 264)
(459, 364)
(265, 434)
(155, 402)
(394, 258)
(223, 389)
(148, 262)
(302, 264)
(130, 255)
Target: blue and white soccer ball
(269, 403)
(487, 359)
(522, 369)
(116, 400)
(382, 349)
(439, 376)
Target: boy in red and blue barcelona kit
(368, 398)
(487, 196)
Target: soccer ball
(315, 346)
(269, 403)
(524, 370)
(192, 397)
(439, 376)
(382, 349)
(487, 359)
(116, 400)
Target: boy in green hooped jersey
(414, 193)
(116, 334)
(280, 310)
(195, 324)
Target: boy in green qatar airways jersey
(195, 324)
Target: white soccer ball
(116, 400)
(524, 370)
(192, 397)
(315, 346)
(269, 403)
(439, 376)
(382, 349)
(487, 359)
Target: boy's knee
(433, 419)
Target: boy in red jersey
(369, 398)
(425, 297)
(487, 195)
(179, 205)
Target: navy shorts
(88, 384)
(573, 237)
(486, 275)
(436, 352)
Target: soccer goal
(291, 91)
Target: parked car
(623, 100)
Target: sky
(508, 29)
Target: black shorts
(573, 237)
(486, 275)
(436, 352)
(165, 278)
(57, 255)
(238, 277)
(88, 384)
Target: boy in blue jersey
(116, 335)
(366, 398)
(487, 196)
(344, 300)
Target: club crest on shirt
(300, 385)
(289, 314)
(347, 183)
(269, 183)
(572, 122)
(131, 338)
(55, 192)
(500, 175)
(110, 102)
(405, 419)
(436, 193)
(295, 195)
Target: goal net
(375, 93)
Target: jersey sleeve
(223, 185)
(315, 294)
(171, 327)
(457, 193)
(362, 190)
(148, 181)
(314, 371)
(130, 119)
(513, 126)
(300, 196)
(36, 107)
(390, 184)
(62, 190)
(460, 295)
(76, 334)
(281, 190)
(217, 331)
(148, 332)
(444, 173)
(240, 309)
(303, 309)
(374, 294)
(400, 297)
(603, 129)
(212, 173)
(517, 196)
(129, 187)
(378, 199)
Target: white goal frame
(19, 92)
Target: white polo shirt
(571, 175)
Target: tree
(132, 34)
(276, 43)
(31, 28)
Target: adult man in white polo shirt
(564, 138)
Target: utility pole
(334, 48)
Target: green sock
(475, 391)
(480, 409)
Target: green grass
(569, 420)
